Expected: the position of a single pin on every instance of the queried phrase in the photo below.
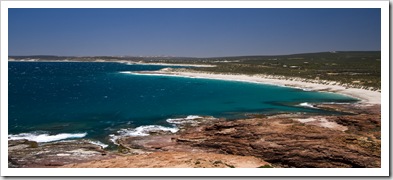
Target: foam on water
(98, 143)
(103, 100)
(154, 74)
(191, 117)
(45, 137)
(145, 130)
(141, 131)
(188, 119)
(336, 103)
(113, 138)
(306, 89)
(306, 104)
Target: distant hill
(317, 55)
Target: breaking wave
(306, 104)
(188, 119)
(98, 143)
(45, 137)
(141, 131)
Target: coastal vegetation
(356, 68)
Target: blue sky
(191, 32)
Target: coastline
(279, 141)
(219, 141)
(365, 96)
(167, 64)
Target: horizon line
(172, 56)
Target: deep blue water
(95, 98)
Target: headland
(352, 139)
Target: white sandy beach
(167, 64)
(366, 96)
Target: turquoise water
(55, 101)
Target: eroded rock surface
(24, 153)
(286, 142)
(283, 140)
(176, 160)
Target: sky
(191, 32)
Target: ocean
(52, 101)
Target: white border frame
(383, 171)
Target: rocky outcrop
(24, 153)
(281, 140)
(176, 160)
(287, 143)
(284, 140)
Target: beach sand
(167, 64)
(365, 96)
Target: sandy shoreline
(167, 64)
(365, 96)
(279, 141)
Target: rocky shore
(281, 140)
(24, 153)
(351, 140)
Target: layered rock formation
(284, 140)
(24, 153)
(176, 160)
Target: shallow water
(54, 98)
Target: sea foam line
(268, 81)
(153, 74)
(169, 64)
(146, 130)
(210, 78)
(141, 131)
(306, 104)
(188, 119)
(45, 137)
(98, 143)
